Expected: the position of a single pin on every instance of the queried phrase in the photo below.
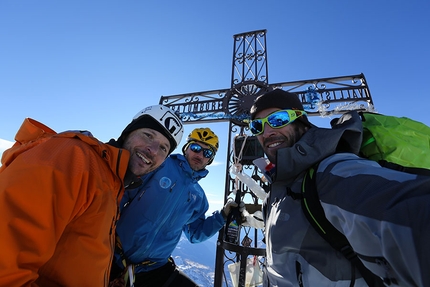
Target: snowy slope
(197, 260)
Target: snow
(197, 260)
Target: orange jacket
(59, 196)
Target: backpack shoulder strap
(398, 167)
(314, 212)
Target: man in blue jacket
(170, 202)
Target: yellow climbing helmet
(206, 136)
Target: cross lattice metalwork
(249, 79)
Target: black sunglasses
(207, 152)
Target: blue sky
(93, 65)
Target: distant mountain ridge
(197, 260)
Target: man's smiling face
(272, 139)
(148, 149)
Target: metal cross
(249, 79)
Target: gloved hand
(229, 206)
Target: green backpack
(398, 143)
(394, 142)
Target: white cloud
(216, 163)
(4, 145)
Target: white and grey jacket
(385, 215)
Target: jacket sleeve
(204, 227)
(384, 214)
(40, 193)
(200, 227)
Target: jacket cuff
(223, 214)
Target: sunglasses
(275, 120)
(207, 152)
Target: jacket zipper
(299, 274)
(114, 219)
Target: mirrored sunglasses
(207, 152)
(275, 120)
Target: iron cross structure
(238, 242)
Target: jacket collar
(317, 144)
(196, 175)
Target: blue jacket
(153, 216)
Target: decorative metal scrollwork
(238, 100)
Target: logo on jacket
(165, 182)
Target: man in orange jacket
(59, 196)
